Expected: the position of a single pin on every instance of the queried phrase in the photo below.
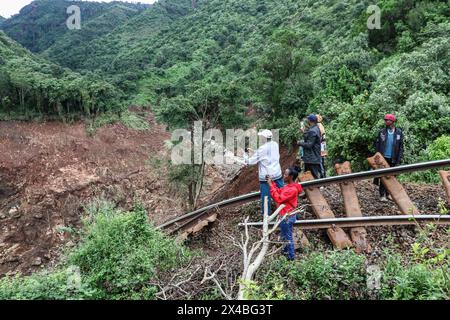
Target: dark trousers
(315, 169)
(383, 191)
(265, 192)
(287, 235)
(323, 170)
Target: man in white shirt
(268, 159)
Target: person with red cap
(390, 144)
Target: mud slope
(247, 181)
(49, 171)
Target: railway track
(193, 222)
(364, 221)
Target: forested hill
(32, 87)
(291, 58)
(283, 58)
(1, 20)
(124, 47)
(43, 22)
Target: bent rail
(364, 175)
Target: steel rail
(364, 175)
(363, 221)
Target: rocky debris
(37, 262)
(53, 170)
(38, 215)
(13, 211)
(69, 179)
(398, 238)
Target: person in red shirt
(287, 195)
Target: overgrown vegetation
(283, 59)
(439, 149)
(32, 87)
(279, 59)
(318, 275)
(42, 24)
(118, 254)
(344, 275)
(425, 276)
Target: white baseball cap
(266, 134)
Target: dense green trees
(43, 22)
(69, 48)
(31, 86)
(404, 21)
(285, 75)
(283, 59)
(388, 77)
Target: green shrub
(55, 285)
(336, 275)
(439, 149)
(134, 121)
(128, 118)
(319, 275)
(342, 275)
(119, 253)
(413, 282)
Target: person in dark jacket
(390, 144)
(311, 147)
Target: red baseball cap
(390, 117)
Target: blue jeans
(265, 192)
(287, 229)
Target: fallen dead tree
(253, 255)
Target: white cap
(266, 134)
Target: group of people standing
(284, 189)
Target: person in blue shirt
(390, 144)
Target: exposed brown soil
(247, 181)
(49, 171)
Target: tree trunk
(199, 183)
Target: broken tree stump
(323, 211)
(392, 185)
(445, 177)
(352, 208)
